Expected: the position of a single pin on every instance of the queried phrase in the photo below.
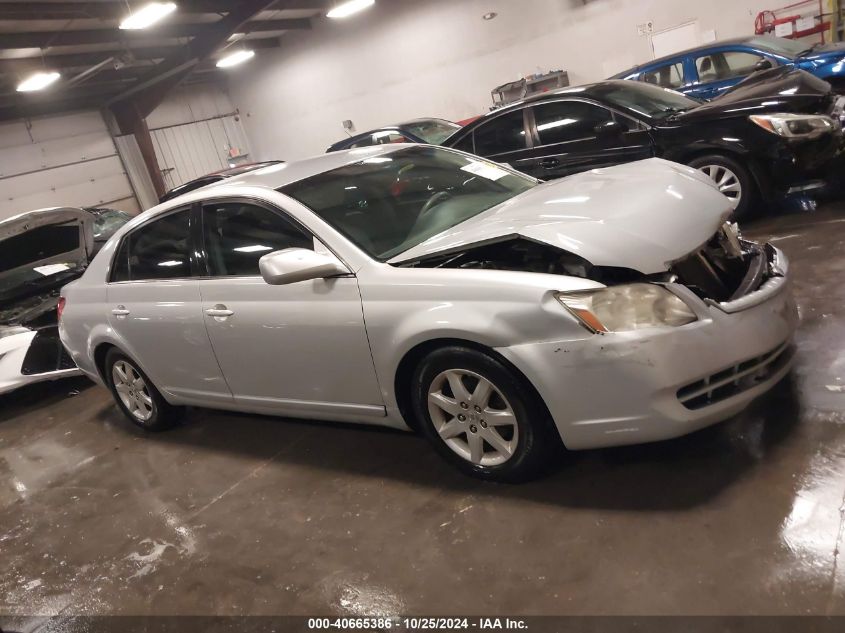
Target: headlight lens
(11, 331)
(795, 125)
(627, 307)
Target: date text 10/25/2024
(416, 624)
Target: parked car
(40, 251)
(707, 71)
(416, 286)
(217, 176)
(772, 138)
(430, 131)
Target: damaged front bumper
(659, 383)
(30, 356)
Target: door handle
(120, 311)
(549, 163)
(219, 311)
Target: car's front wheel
(481, 416)
(136, 395)
(732, 179)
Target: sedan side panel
(404, 308)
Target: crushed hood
(641, 215)
(38, 251)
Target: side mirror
(291, 265)
(763, 64)
(610, 128)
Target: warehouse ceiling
(102, 65)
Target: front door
(156, 310)
(297, 349)
(568, 139)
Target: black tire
(534, 434)
(748, 197)
(162, 415)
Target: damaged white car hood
(643, 216)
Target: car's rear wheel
(136, 395)
(481, 416)
(733, 180)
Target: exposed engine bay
(725, 268)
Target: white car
(421, 287)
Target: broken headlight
(791, 125)
(627, 307)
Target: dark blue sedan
(707, 71)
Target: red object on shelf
(767, 21)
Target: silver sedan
(424, 288)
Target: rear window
(158, 250)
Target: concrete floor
(234, 514)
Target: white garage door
(67, 160)
(191, 150)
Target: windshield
(432, 131)
(387, 204)
(647, 100)
(779, 45)
(107, 222)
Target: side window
(671, 76)
(237, 235)
(158, 250)
(719, 66)
(466, 144)
(120, 264)
(505, 133)
(563, 121)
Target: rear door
(568, 138)
(156, 309)
(503, 138)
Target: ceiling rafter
(116, 10)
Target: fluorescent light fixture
(346, 9)
(38, 81)
(147, 15)
(233, 59)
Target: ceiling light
(38, 81)
(348, 8)
(148, 15)
(489, 16)
(233, 59)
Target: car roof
(586, 90)
(283, 173)
(695, 49)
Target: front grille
(46, 353)
(736, 379)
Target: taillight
(60, 307)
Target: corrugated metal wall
(185, 152)
(67, 160)
(193, 132)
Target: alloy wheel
(132, 391)
(726, 180)
(472, 417)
